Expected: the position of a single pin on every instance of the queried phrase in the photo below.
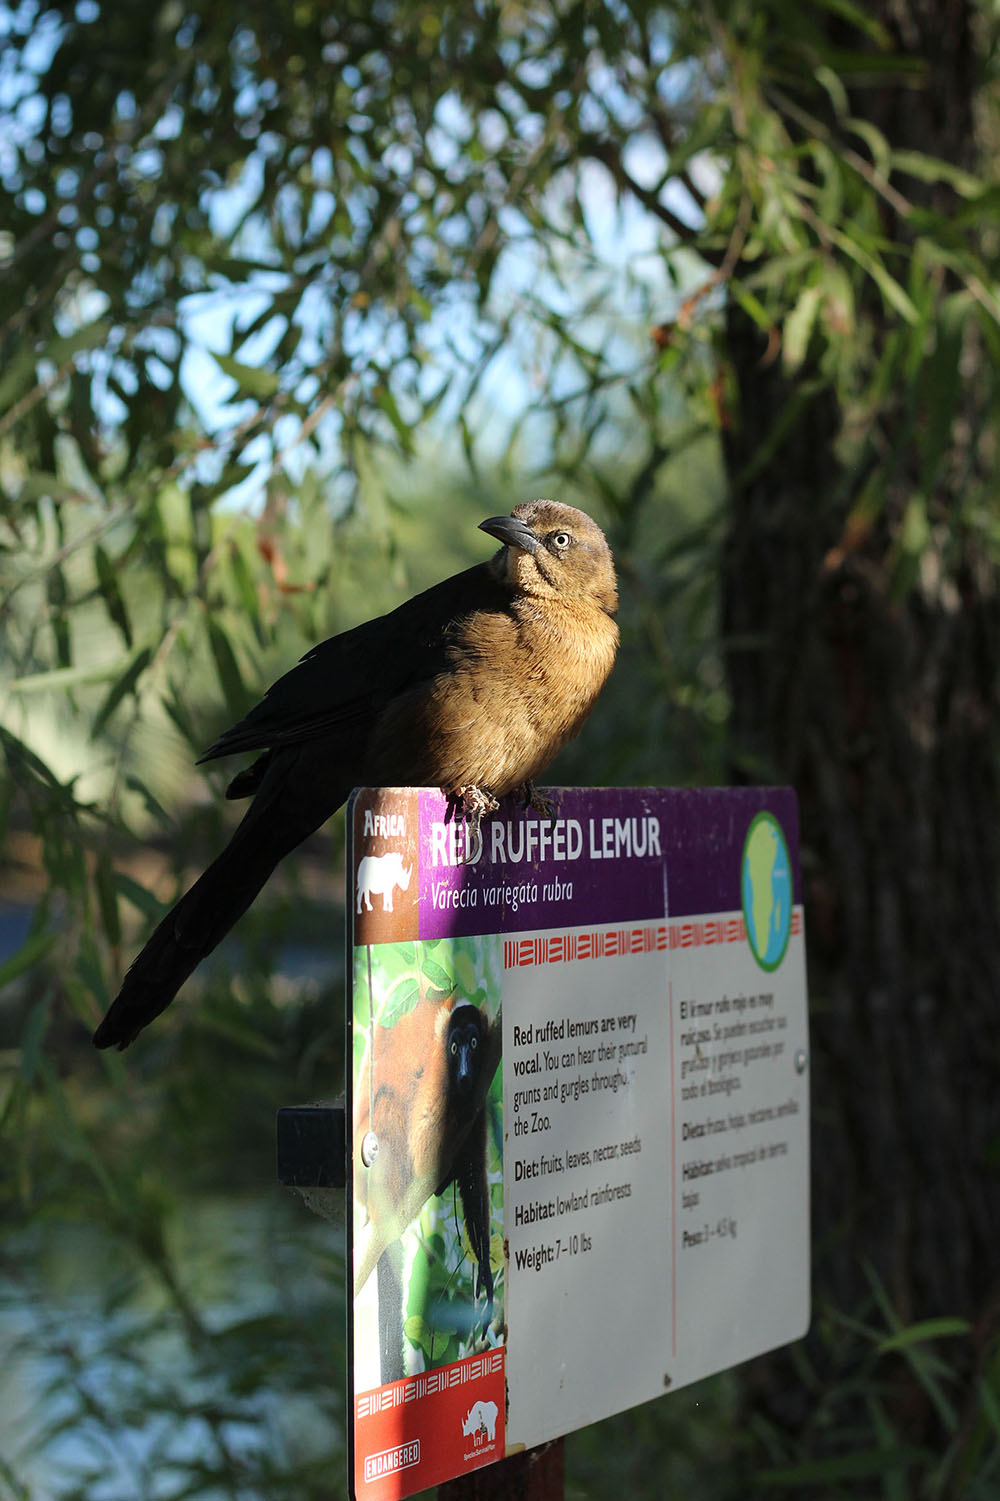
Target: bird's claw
(532, 798)
(472, 804)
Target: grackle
(472, 686)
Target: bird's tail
(202, 917)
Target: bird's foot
(532, 798)
(469, 803)
(472, 804)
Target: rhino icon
(378, 874)
(481, 1418)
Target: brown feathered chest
(519, 685)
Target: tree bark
(879, 705)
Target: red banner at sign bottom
(428, 1428)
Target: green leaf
(153, 805)
(232, 475)
(401, 998)
(261, 384)
(245, 588)
(751, 305)
(58, 597)
(419, 1333)
(61, 678)
(859, 18)
(387, 402)
(830, 80)
(119, 690)
(173, 510)
(144, 901)
(838, 301)
(915, 1334)
(31, 951)
(88, 337)
(233, 687)
(915, 533)
(19, 1490)
(244, 1035)
(890, 288)
(991, 1406)
(799, 326)
(876, 68)
(783, 425)
(465, 971)
(20, 374)
(33, 1036)
(107, 581)
(468, 445)
(779, 270)
(840, 1467)
(18, 378)
(41, 486)
(107, 898)
(933, 169)
(941, 385)
(438, 976)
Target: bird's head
(554, 551)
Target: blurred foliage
(290, 297)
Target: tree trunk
(878, 703)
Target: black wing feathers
(337, 686)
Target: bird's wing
(346, 681)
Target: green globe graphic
(766, 887)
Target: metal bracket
(311, 1145)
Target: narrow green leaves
(251, 380)
(125, 684)
(107, 581)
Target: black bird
(472, 686)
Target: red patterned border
(412, 1388)
(610, 943)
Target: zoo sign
(579, 1113)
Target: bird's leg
(532, 798)
(471, 804)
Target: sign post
(579, 1114)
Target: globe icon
(766, 888)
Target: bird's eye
(561, 540)
(454, 1047)
(473, 1042)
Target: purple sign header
(598, 859)
(607, 855)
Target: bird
(472, 686)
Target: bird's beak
(511, 532)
